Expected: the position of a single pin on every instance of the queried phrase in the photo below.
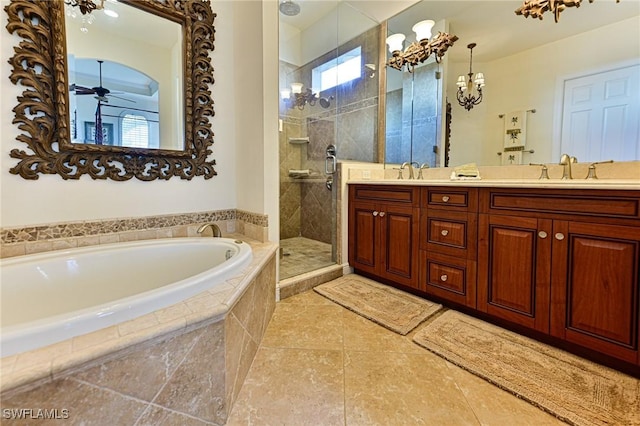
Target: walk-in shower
(328, 113)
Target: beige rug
(391, 308)
(573, 389)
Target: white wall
(531, 79)
(239, 145)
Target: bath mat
(391, 308)
(573, 389)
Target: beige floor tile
(386, 379)
(292, 387)
(494, 406)
(309, 297)
(305, 327)
(402, 389)
(360, 334)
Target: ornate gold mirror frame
(40, 65)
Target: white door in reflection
(601, 116)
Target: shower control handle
(330, 161)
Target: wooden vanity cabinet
(448, 244)
(563, 262)
(514, 269)
(383, 232)
(594, 287)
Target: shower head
(289, 8)
(324, 102)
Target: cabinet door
(595, 287)
(514, 269)
(363, 236)
(399, 240)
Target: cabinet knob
(444, 232)
(382, 214)
(542, 234)
(443, 277)
(445, 198)
(559, 236)
(375, 213)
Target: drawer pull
(445, 198)
(382, 214)
(443, 277)
(375, 213)
(542, 234)
(444, 232)
(559, 236)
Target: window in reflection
(135, 131)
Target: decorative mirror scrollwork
(39, 64)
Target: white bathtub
(51, 297)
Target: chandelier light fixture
(86, 7)
(536, 8)
(298, 97)
(420, 50)
(470, 100)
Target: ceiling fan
(101, 92)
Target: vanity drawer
(452, 199)
(449, 278)
(447, 232)
(613, 204)
(452, 233)
(406, 195)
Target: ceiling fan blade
(120, 97)
(80, 90)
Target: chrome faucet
(566, 161)
(214, 228)
(423, 166)
(410, 164)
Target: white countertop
(629, 184)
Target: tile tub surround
(60, 236)
(185, 363)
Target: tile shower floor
(321, 364)
(301, 255)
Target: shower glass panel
(334, 58)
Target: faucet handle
(544, 173)
(422, 167)
(400, 177)
(592, 169)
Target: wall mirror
(90, 85)
(528, 65)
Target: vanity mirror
(59, 61)
(530, 64)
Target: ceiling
(493, 25)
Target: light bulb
(395, 42)
(296, 88)
(423, 29)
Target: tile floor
(321, 364)
(301, 255)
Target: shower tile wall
(412, 118)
